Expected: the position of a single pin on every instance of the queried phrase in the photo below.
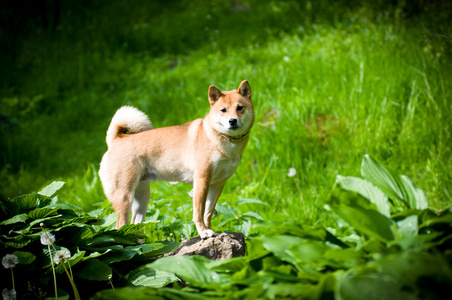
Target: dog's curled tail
(127, 119)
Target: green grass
(331, 82)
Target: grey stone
(223, 246)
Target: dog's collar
(234, 139)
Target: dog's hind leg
(140, 201)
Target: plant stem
(71, 280)
(53, 270)
(111, 283)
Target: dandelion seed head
(292, 172)
(47, 238)
(10, 261)
(61, 255)
(9, 294)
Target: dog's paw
(208, 233)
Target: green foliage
(369, 253)
(377, 256)
(98, 253)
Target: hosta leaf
(234, 264)
(416, 196)
(386, 180)
(168, 246)
(146, 276)
(51, 189)
(418, 242)
(408, 269)
(134, 229)
(100, 241)
(367, 190)
(22, 204)
(307, 252)
(40, 213)
(118, 255)
(18, 243)
(367, 221)
(370, 287)
(25, 258)
(94, 269)
(292, 291)
(408, 226)
(142, 293)
(393, 185)
(145, 248)
(16, 219)
(280, 244)
(190, 268)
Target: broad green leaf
(146, 276)
(419, 242)
(416, 196)
(51, 189)
(370, 287)
(291, 291)
(128, 293)
(234, 264)
(22, 204)
(40, 213)
(16, 219)
(252, 215)
(83, 235)
(134, 229)
(367, 190)
(190, 268)
(18, 242)
(100, 241)
(308, 251)
(345, 257)
(367, 221)
(408, 226)
(94, 269)
(96, 254)
(393, 185)
(279, 245)
(145, 293)
(25, 258)
(408, 269)
(168, 246)
(118, 255)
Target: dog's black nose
(232, 122)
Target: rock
(223, 246)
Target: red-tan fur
(204, 152)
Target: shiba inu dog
(204, 152)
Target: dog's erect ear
(214, 94)
(245, 89)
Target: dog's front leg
(212, 198)
(201, 189)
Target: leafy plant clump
(385, 244)
(40, 231)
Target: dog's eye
(239, 108)
(223, 110)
